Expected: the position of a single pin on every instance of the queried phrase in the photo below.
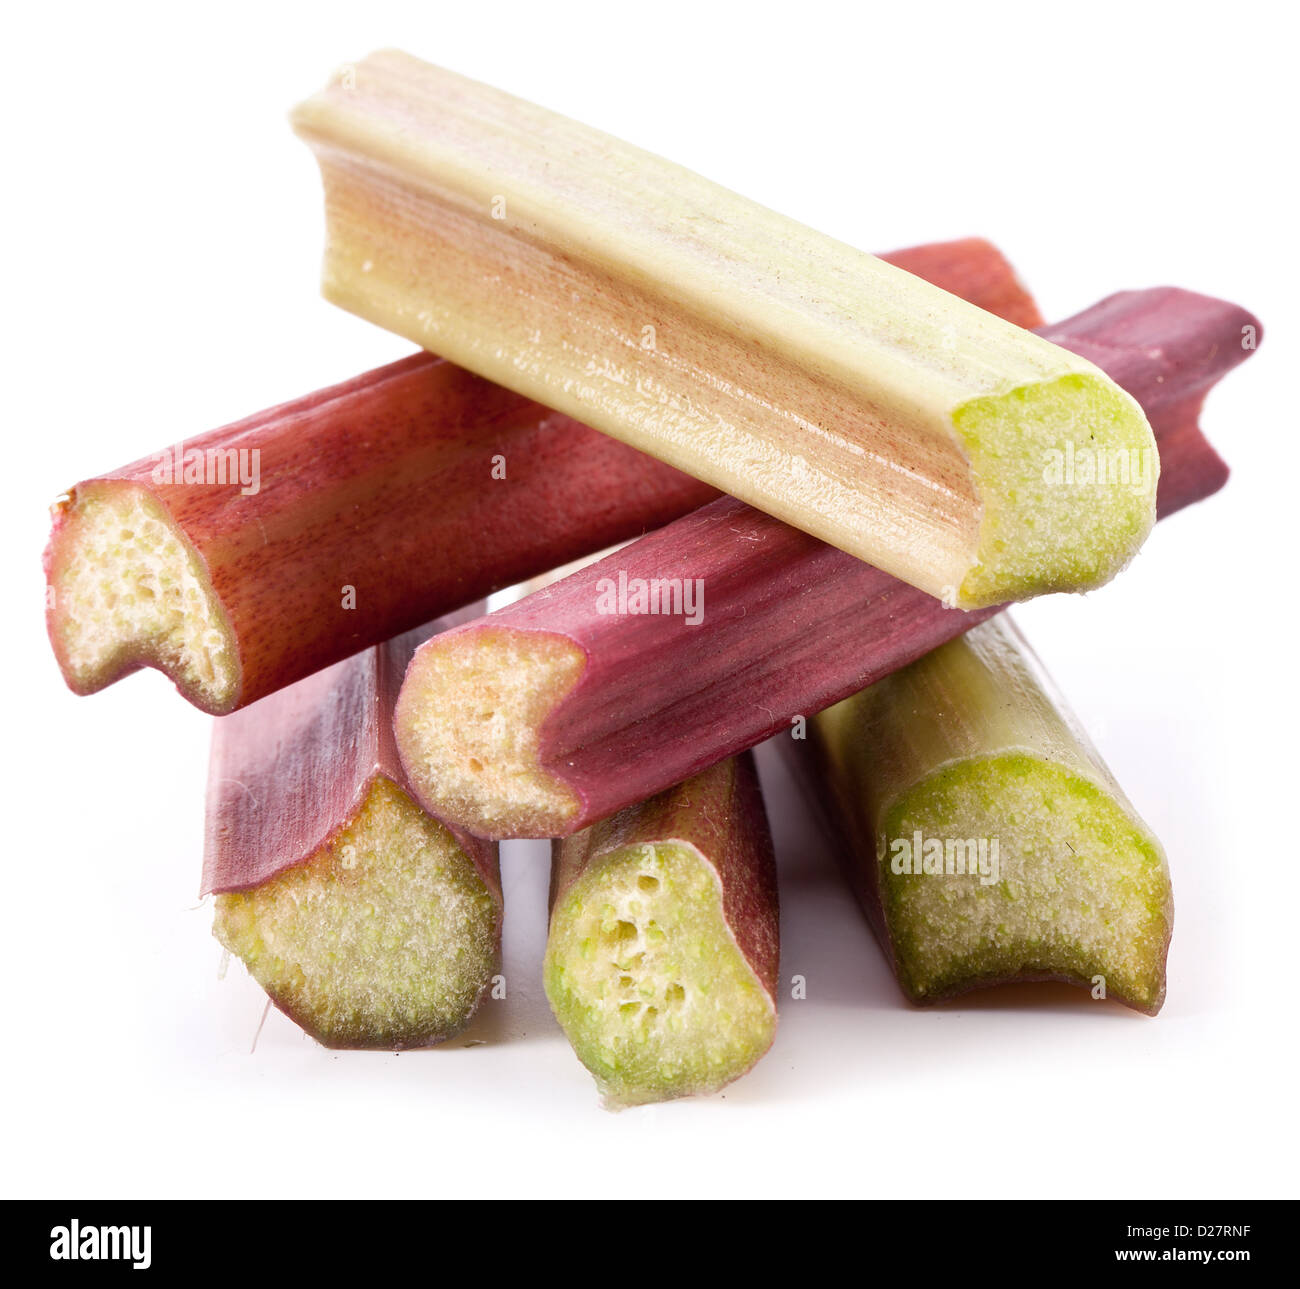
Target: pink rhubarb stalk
(368, 921)
(725, 627)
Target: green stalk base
(1079, 891)
(647, 980)
(386, 937)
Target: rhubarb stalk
(725, 627)
(985, 837)
(360, 512)
(368, 921)
(809, 379)
(249, 557)
(661, 963)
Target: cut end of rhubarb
(385, 937)
(1069, 886)
(1066, 472)
(469, 723)
(647, 980)
(128, 590)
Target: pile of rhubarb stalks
(817, 476)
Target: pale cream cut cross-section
(128, 588)
(468, 725)
(816, 382)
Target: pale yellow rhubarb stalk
(985, 837)
(814, 381)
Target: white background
(162, 230)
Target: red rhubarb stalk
(725, 627)
(254, 555)
(367, 921)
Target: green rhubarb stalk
(813, 381)
(984, 835)
(661, 963)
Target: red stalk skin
(289, 772)
(385, 483)
(721, 813)
(791, 625)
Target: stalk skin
(550, 714)
(972, 750)
(808, 379)
(381, 506)
(663, 954)
(370, 922)
(388, 484)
